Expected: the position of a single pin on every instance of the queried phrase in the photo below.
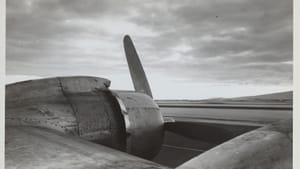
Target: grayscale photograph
(140, 84)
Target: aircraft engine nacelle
(144, 123)
(85, 107)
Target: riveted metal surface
(81, 106)
(39, 103)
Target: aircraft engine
(85, 107)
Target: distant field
(251, 110)
(282, 98)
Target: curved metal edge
(266, 147)
(145, 126)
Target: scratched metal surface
(96, 110)
(37, 148)
(31, 103)
(76, 105)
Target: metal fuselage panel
(81, 106)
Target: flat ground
(233, 115)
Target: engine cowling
(144, 123)
(85, 107)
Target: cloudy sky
(190, 49)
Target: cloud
(223, 34)
(234, 41)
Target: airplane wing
(266, 147)
(34, 147)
